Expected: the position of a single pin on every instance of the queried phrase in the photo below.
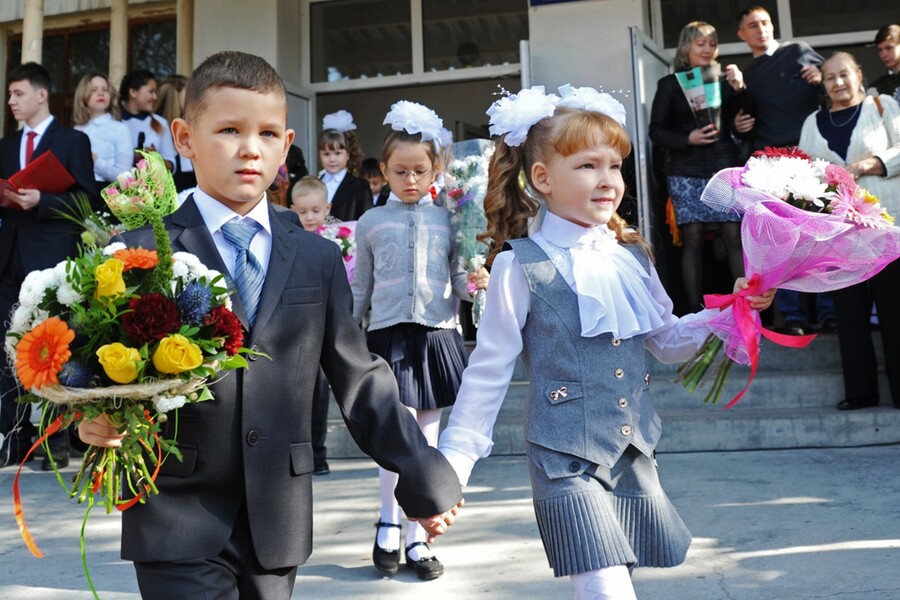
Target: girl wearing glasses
(408, 270)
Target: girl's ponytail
(506, 204)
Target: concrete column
(184, 36)
(118, 41)
(32, 31)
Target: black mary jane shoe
(856, 404)
(386, 561)
(426, 568)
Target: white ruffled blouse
(616, 294)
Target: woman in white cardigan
(862, 133)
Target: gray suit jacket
(252, 443)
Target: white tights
(429, 422)
(610, 583)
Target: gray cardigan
(874, 135)
(407, 266)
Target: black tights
(692, 257)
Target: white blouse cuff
(462, 448)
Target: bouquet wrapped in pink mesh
(807, 226)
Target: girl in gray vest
(581, 300)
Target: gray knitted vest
(589, 396)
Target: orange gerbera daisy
(42, 352)
(137, 258)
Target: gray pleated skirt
(591, 517)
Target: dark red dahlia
(226, 325)
(786, 152)
(152, 317)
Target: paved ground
(769, 525)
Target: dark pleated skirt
(427, 362)
(591, 517)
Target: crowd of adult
(787, 95)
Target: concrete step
(790, 404)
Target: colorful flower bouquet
(467, 177)
(807, 226)
(342, 233)
(124, 332)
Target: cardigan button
(619, 373)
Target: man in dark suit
(234, 518)
(31, 234)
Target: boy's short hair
(309, 185)
(31, 72)
(888, 33)
(235, 70)
(369, 167)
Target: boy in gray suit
(234, 518)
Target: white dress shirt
(111, 142)
(487, 378)
(333, 181)
(162, 141)
(215, 214)
(39, 131)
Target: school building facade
(453, 55)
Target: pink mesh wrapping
(794, 249)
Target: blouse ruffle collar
(611, 284)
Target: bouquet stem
(697, 371)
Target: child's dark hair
(508, 205)
(135, 80)
(31, 72)
(369, 167)
(395, 138)
(230, 69)
(332, 139)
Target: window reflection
(357, 39)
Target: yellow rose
(119, 362)
(176, 354)
(109, 279)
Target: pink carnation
(836, 176)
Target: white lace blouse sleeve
(679, 338)
(486, 379)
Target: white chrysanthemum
(414, 118)
(773, 176)
(587, 98)
(166, 403)
(35, 286)
(113, 248)
(515, 115)
(65, 293)
(339, 121)
(180, 270)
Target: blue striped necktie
(248, 272)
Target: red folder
(44, 173)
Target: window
(459, 34)
(357, 39)
(816, 18)
(152, 46)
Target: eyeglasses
(403, 174)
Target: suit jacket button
(252, 437)
(619, 373)
(574, 467)
(253, 357)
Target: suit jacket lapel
(46, 139)
(280, 264)
(192, 235)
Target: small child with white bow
(407, 267)
(340, 155)
(581, 300)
